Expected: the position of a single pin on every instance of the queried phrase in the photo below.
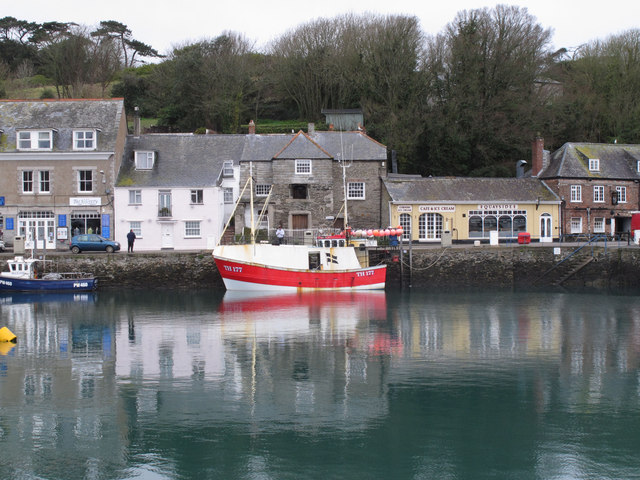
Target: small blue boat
(29, 275)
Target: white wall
(209, 214)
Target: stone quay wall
(482, 267)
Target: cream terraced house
(59, 160)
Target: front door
(166, 232)
(299, 221)
(545, 228)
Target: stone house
(176, 191)
(597, 183)
(302, 177)
(59, 160)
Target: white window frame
(356, 191)
(42, 139)
(135, 198)
(27, 182)
(192, 229)
(227, 193)
(575, 224)
(84, 182)
(144, 159)
(197, 196)
(44, 181)
(598, 194)
(598, 225)
(136, 226)
(622, 194)
(262, 189)
(303, 166)
(576, 193)
(227, 168)
(594, 164)
(84, 139)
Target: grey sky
(166, 23)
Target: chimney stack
(311, 128)
(252, 128)
(537, 155)
(136, 121)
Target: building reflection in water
(89, 372)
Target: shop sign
(437, 208)
(498, 206)
(84, 201)
(405, 208)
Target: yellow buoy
(7, 335)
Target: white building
(176, 191)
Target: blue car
(93, 243)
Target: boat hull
(42, 285)
(252, 276)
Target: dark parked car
(93, 243)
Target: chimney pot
(252, 128)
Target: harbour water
(402, 385)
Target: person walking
(131, 237)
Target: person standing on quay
(131, 237)
(280, 234)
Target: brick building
(597, 183)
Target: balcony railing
(164, 212)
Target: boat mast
(344, 187)
(253, 225)
(344, 164)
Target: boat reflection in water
(277, 311)
(15, 298)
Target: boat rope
(234, 210)
(444, 250)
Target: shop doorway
(546, 234)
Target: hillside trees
(369, 62)
(484, 108)
(601, 91)
(207, 84)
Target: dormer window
(84, 139)
(227, 168)
(35, 140)
(594, 164)
(144, 160)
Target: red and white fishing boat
(333, 263)
(298, 267)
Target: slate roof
(572, 161)
(182, 160)
(351, 145)
(196, 160)
(64, 116)
(467, 190)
